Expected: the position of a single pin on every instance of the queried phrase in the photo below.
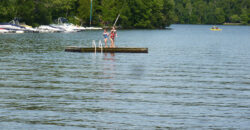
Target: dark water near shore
(191, 78)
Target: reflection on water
(109, 65)
(191, 78)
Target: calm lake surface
(192, 78)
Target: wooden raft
(110, 50)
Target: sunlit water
(191, 78)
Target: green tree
(220, 16)
(84, 11)
(180, 13)
(244, 17)
(63, 7)
(133, 13)
(141, 14)
(7, 10)
(199, 12)
(109, 12)
(25, 10)
(211, 11)
(168, 13)
(235, 18)
(41, 13)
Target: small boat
(214, 28)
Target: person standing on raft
(113, 34)
(105, 35)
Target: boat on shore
(23, 26)
(61, 25)
(2, 30)
(14, 27)
(11, 28)
(66, 26)
(29, 28)
(93, 28)
(49, 29)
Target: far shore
(235, 24)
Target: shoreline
(235, 24)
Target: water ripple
(189, 80)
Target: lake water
(192, 78)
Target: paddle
(116, 20)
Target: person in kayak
(105, 35)
(113, 34)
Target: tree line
(133, 13)
(212, 11)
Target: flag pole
(90, 19)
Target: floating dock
(106, 50)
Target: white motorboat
(93, 28)
(19, 31)
(74, 27)
(65, 27)
(11, 28)
(68, 27)
(49, 29)
(29, 28)
(24, 27)
(2, 30)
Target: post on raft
(94, 45)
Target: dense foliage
(212, 11)
(133, 13)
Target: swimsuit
(105, 35)
(112, 34)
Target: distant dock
(106, 50)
